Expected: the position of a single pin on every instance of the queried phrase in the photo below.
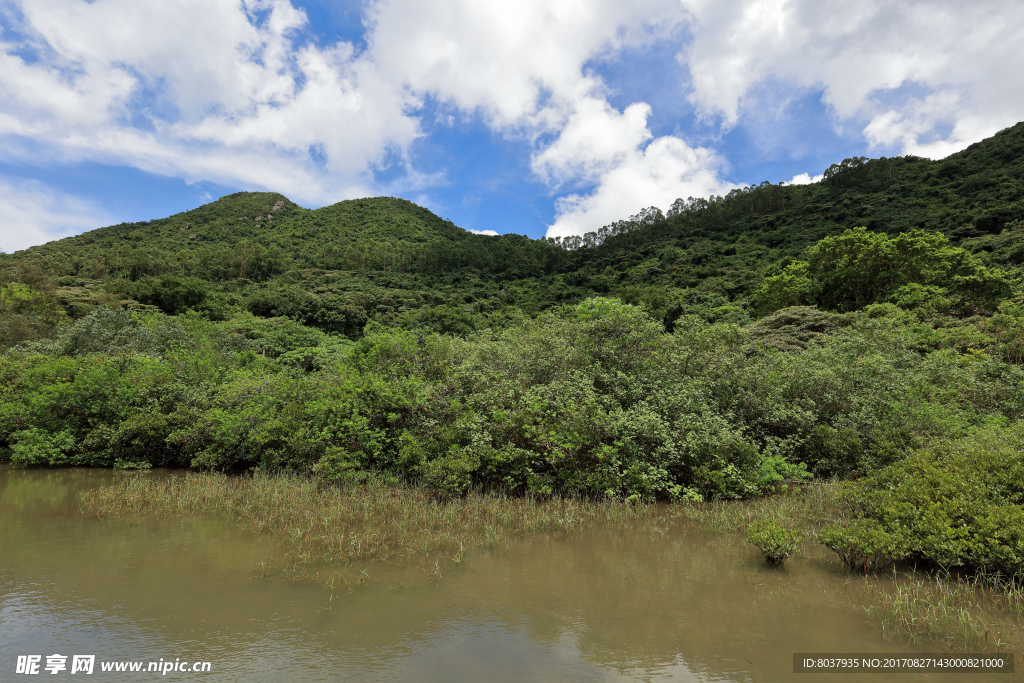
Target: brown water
(665, 602)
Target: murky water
(664, 603)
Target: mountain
(268, 218)
(398, 263)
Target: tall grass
(806, 507)
(320, 524)
(978, 613)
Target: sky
(538, 117)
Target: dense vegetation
(867, 326)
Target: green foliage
(865, 546)
(450, 475)
(916, 269)
(338, 466)
(170, 294)
(594, 399)
(330, 314)
(114, 330)
(374, 340)
(442, 320)
(34, 446)
(955, 503)
(795, 327)
(775, 541)
(27, 313)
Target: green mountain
(271, 219)
(389, 260)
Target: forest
(869, 327)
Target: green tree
(850, 271)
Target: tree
(849, 271)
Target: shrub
(450, 476)
(338, 466)
(955, 503)
(36, 447)
(857, 268)
(863, 546)
(775, 541)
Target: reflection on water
(660, 603)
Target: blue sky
(540, 117)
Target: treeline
(595, 399)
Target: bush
(775, 541)
(451, 475)
(863, 546)
(37, 447)
(955, 503)
(594, 400)
(918, 268)
(339, 467)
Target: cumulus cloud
(524, 67)
(663, 171)
(34, 213)
(518, 63)
(926, 77)
(230, 91)
(493, 233)
(595, 139)
(241, 93)
(236, 92)
(804, 179)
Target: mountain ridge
(397, 263)
(244, 216)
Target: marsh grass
(357, 525)
(977, 613)
(808, 508)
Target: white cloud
(667, 169)
(595, 140)
(239, 93)
(927, 77)
(493, 233)
(516, 62)
(223, 90)
(524, 67)
(234, 92)
(34, 213)
(804, 179)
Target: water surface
(662, 602)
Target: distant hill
(389, 260)
(269, 218)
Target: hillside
(390, 260)
(270, 219)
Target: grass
(319, 524)
(978, 613)
(808, 507)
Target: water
(662, 603)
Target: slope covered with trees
(389, 260)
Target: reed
(977, 613)
(374, 522)
(806, 507)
